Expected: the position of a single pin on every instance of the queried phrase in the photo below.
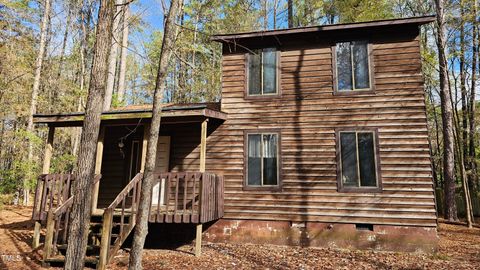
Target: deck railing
(51, 192)
(177, 197)
(186, 197)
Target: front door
(161, 166)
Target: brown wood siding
(184, 155)
(115, 164)
(307, 114)
(184, 146)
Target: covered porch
(183, 192)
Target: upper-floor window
(358, 160)
(262, 72)
(262, 159)
(352, 66)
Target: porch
(182, 192)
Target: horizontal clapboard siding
(116, 161)
(307, 114)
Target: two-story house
(320, 139)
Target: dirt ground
(459, 248)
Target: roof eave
(324, 28)
(126, 115)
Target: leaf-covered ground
(459, 248)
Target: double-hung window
(262, 159)
(352, 66)
(358, 160)
(262, 72)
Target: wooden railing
(211, 198)
(186, 197)
(51, 192)
(126, 206)
(57, 225)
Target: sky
(151, 11)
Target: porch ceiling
(171, 113)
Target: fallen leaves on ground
(459, 248)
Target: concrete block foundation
(318, 234)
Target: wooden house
(320, 139)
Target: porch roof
(171, 113)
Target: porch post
(47, 156)
(146, 136)
(98, 167)
(203, 156)
(203, 145)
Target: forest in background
(194, 72)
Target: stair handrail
(107, 251)
(51, 191)
(55, 217)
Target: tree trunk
(123, 54)
(274, 15)
(84, 175)
(141, 228)
(2, 132)
(461, 168)
(447, 119)
(112, 59)
(290, 13)
(35, 89)
(463, 88)
(64, 41)
(472, 175)
(86, 17)
(265, 14)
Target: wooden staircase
(94, 242)
(177, 197)
(107, 232)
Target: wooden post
(105, 244)
(146, 135)
(98, 168)
(48, 247)
(47, 157)
(203, 155)
(203, 145)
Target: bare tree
(447, 118)
(141, 228)
(84, 175)
(86, 17)
(112, 59)
(123, 52)
(65, 38)
(472, 175)
(290, 13)
(36, 87)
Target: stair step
(89, 247)
(61, 259)
(99, 224)
(99, 235)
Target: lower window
(357, 160)
(262, 159)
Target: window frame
(278, 93)
(371, 70)
(338, 154)
(278, 186)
